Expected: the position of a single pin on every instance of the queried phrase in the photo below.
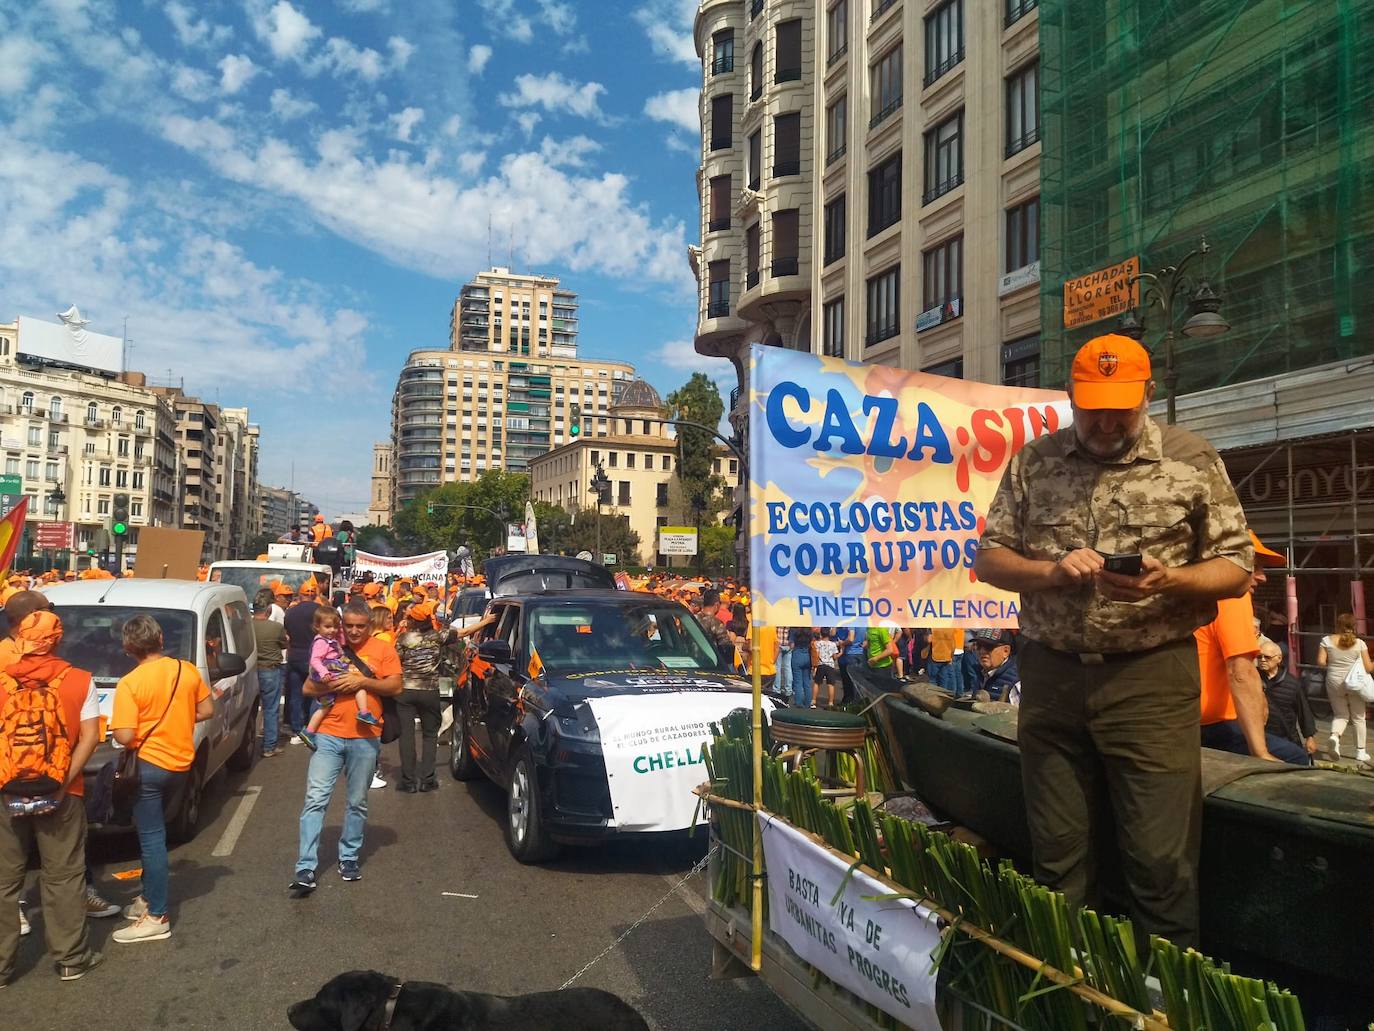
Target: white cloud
(572, 153)
(680, 107)
(192, 83)
(286, 107)
(503, 19)
(554, 93)
(401, 50)
(478, 56)
(527, 121)
(364, 6)
(451, 125)
(235, 72)
(192, 31)
(286, 30)
(557, 15)
(20, 57)
(403, 123)
(344, 58)
(471, 162)
(668, 24)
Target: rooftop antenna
(510, 238)
(488, 239)
(124, 350)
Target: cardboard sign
(168, 554)
(1100, 295)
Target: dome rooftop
(638, 394)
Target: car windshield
(614, 636)
(91, 636)
(254, 578)
(471, 603)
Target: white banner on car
(878, 948)
(653, 743)
(431, 568)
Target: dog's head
(345, 1003)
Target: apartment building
(236, 478)
(278, 510)
(77, 436)
(639, 458)
(383, 487)
(198, 447)
(514, 313)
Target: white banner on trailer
(431, 568)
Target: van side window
(214, 641)
(240, 630)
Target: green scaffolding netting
(1248, 121)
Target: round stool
(808, 731)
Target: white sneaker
(24, 927)
(377, 781)
(136, 909)
(1362, 756)
(296, 739)
(146, 928)
(1333, 745)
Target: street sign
(1100, 295)
(8, 501)
(11, 490)
(608, 560)
(52, 536)
(677, 540)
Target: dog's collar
(389, 1013)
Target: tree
(464, 513)
(554, 525)
(698, 400)
(258, 546)
(716, 548)
(616, 537)
(377, 540)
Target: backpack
(35, 752)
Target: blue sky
(283, 196)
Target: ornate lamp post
(599, 485)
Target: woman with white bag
(1348, 668)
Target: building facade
(198, 448)
(383, 487)
(516, 314)
(236, 476)
(278, 510)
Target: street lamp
(599, 485)
(1165, 288)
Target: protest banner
(430, 568)
(843, 924)
(869, 487)
(652, 742)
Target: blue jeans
(943, 675)
(356, 758)
(155, 785)
(970, 672)
(269, 687)
(297, 673)
(1228, 737)
(801, 683)
(784, 683)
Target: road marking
(457, 895)
(687, 895)
(230, 837)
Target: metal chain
(701, 865)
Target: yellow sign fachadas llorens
(1100, 295)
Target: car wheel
(527, 837)
(460, 761)
(242, 759)
(183, 826)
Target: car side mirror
(226, 665)
(495, 652)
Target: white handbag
(1359, 681)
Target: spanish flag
(11, 528)
(536, 666)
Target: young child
(327, 662)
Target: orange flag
(11, 528)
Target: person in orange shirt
(1233, 709)
(345, 745)
(156, 709)
(320, 531)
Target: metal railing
(940, 69)
(942, 188)
(883, 113)
(1022, 142)
(1018, 9)
(721, 65)
(835, 155)
(881, 333)
(880, 8)
(837, 53)
(718, 309)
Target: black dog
(359, 1001)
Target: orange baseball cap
(308, 589)
(319, 518)
(1110, 371)
(371, 590)
(1266, 556)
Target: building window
(662, 492)
(102, 507)
(11, 467)
(35, 436)
(92, 413)
(836, 129)
(722, 119)
(756, 72)
(117, 414)
(122, 447)
(755, 159)
(879, 6)
(1023, 235)
(1021, 362)
(885, 194)
(944, 39)
(629, 458)
(786, 145)
(1018, 9)
(786, 242)
(139, 420)
(837, 31)
(54, 440)
(667, 463)
(55, 409)
(1023, 108)
(942, 281)
(884, 306)
(787, 57)
(26, 402)
(952, 369)
(121, 477)
(751, 256)
(624, 495)
(833, 314)
(138, 481)
(886, 85)
(723, 52)
(944, 157)
(104, 475)
(136, 509)
(720, 204)
(835, 229)
(720, 289)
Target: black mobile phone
(1126, 565)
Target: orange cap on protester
(1266, 556)
(1110, 371)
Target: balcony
(784, 267)
(895, 104)
(721, 65)
(143, 431)
(835, 155)
(787, 75)
(1018, 9)
(718, 225)
(755, 9)
(880, 8)
(93, 424)
(939, 69)
(58, 416)
(1017, 145)
(837, 53)
(782, 169)
(942, 188)
(718, 309)
(878, 334)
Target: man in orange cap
(320, 531)
(1233, 706)
(1121, 536)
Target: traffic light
(119, 515)
(575, 421)
(429, 508)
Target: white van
(207, 624)
(254, 576)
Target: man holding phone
(1109, 667)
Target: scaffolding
(1248, 121)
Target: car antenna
(101, 599)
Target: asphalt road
(242, 950)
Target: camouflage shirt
(1168, 497)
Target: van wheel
(242, 759)
(183, 826)
(460, 761)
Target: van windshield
(608, 635)
(254, 578)
(91, 636)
